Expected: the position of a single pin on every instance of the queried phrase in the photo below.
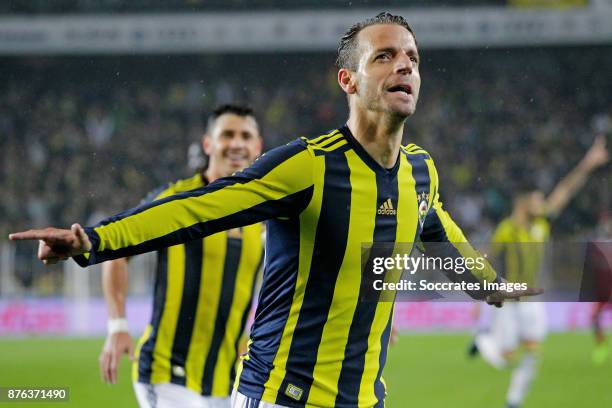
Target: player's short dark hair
(236, 109)
(348, 42)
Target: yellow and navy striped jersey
(520, 250)
(313, 342)
(202, 297)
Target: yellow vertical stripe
(238, 371)
(346, 292)
(143, 339)
(308, 230)
(372, 357)
(215, 247)
(160, 369)
(239, 365)
(407, 212)
(249, 259)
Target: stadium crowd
(104, 131)
(127, 6)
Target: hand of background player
(56, 244)
(393, 339)
(115, 346)
(497, 298)
(597, 155)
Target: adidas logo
(386, 208)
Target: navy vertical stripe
(331, 239)
(245, 316)
(145, 359)
(230, 270)
(273, 305)
(354, 355)
(188, 309)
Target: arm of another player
(118, 339)
(278, 184)
(442, 237)
(565, 190)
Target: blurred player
(203, 290)
(601, 352)
(518, 245)
(313, 343)
(598, 268)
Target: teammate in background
(203, 290)
(313, 342)
(518, 245)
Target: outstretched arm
(443, 238)
(567, 188)
(278, 184)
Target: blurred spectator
(118, 6)
(99, 126)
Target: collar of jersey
(361, 152)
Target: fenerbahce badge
(423, 200)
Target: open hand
(115, 346)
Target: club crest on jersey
(423, 200)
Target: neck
(378, 134)
(521, 217)
(211, 175)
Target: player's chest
(373, 205)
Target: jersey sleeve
(278, 184)
(442, 237)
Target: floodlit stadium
(235, 190)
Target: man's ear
(346, 80)
(206, 143)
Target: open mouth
(407, 89)
(236, 157)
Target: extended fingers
(114, 362)
(104, 366)
(29, 234)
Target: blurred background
(102, 101)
